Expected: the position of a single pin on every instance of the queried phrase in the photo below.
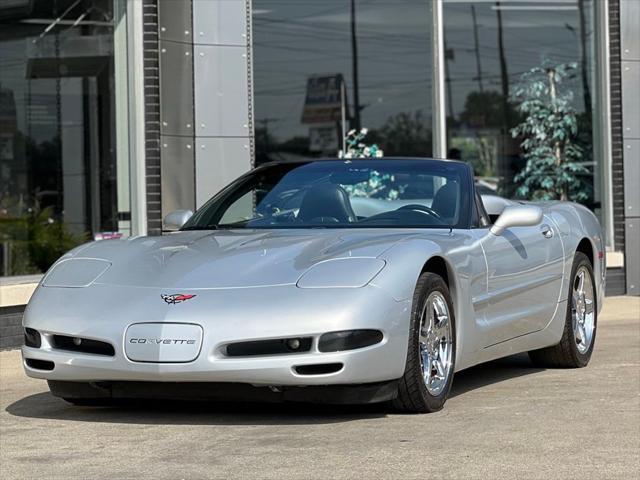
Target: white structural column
(603, 118)
(222, 93)
(135, 19)
(176, 105)
(439, 82)
(122, 101)
(630, 49)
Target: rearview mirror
(175, 220)
(517, 216)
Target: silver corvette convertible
(340, 281)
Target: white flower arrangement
(356, 149)
(378, 185)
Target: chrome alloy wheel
(583, 309)
(436, 343)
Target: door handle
(546, 231)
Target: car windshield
(342, 194)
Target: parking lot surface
(504, 419)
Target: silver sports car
(356, 281)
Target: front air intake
(82, 345)
(276, 346)
(318, 368)
(39, 364)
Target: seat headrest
(326, 200)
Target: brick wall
(616, 277)
(617, 164)
(11, 335)
(152, 117)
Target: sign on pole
(323, 101)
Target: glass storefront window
(317, 62)
(58, 165)
(490, 46)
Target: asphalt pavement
(504, 419)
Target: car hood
(230, 258)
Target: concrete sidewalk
(504, 419)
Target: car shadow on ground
(497, 371)
(45, 406)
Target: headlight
(341, 273)
(75, 272)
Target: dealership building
(114, 113)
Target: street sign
(323, 101)
(323, 139)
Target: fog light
(77, 341)
(32, 338)
(293, 344)
(348, 340)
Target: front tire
(579, 334)
(431, 352)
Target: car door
(524, 278)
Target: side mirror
(175, 220)
(517, 216)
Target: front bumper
(226, 392)
(225, 316)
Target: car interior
(324, 201)
(328, 202)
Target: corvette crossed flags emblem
(176, 298)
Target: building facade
(115, 112)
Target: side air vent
(82, 345)
(277, 346)
(318, 369)
(32, 338)
(39, 364)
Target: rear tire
(581, 320)
(431, 352)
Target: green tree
(405, 133)
(548, 132)
(484, 109)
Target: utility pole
(448, 55)
(586, 91)
(477, 47)
(354, 66)
(504, 76)
(502, 163)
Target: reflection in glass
(312, 60)
(489, 47)
(381, 193)
(57, 141)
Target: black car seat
(445, 201)
(325, 202)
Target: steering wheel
(416, 207)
